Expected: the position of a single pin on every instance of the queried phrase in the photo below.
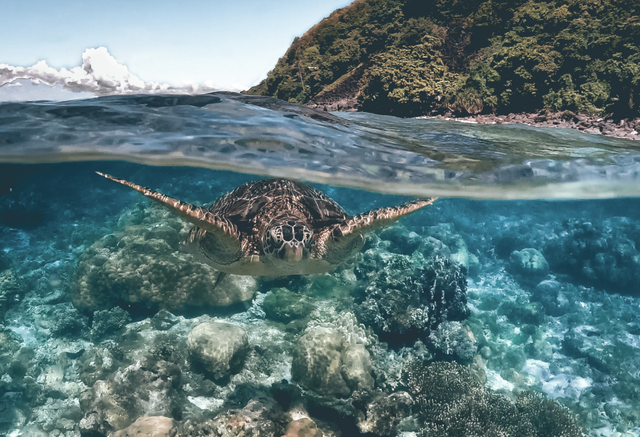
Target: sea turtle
(275, 227)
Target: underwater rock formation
(261, 416)
(282, 305)
(529, 263)
(602, 255)
(408, 296)
(220, 348)
(10, 290)
(384, 413)
(108, 322)
(303, 427)
(551, 295)
(325, 362)
(150, 426)
(140, 267)
(460, 253)
(453, 340)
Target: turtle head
(287, 240)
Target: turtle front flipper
(340, 240)
(225, 232)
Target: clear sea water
(97, 303)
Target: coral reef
(529, 263)
(452, 401)
(108, 322)
(602, 255)
(360, 351)
(384, 413)
(460, 253)
(154, 426)
(453, 340)
(10, 289)
(282, 305)
(261, 416)
(140, 267)
(303, 427)
(405, 297)
(326, 362)
(220, 348)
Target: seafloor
(468, 318)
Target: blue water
(536, 239)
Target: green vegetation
(471, 56)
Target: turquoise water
(511, 306)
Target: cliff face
(467, 56)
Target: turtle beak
(292, 252)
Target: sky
(229, 44)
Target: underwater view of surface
(508, 307)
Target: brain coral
(333, 360)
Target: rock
(474, 266)
(356, 367)
(456, 244)
(529, 263)
(432, 247)
(453, 340)
(282, 305)
(402, 241)
(57, 417)
(551, 296)
(220, 348)
(97, 363)
(10, 290)
(406, 297)
(103, 411)
(317, 362)
(163, 320)
(522, 313)
(260, 417)
(325, 362)
(108, 322)
(9, 342)
(140, 266)
(385, 413)
(61, 319)
(149, 426)
(304, 427)
(603, 255)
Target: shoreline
(590, 124)
(625, 128)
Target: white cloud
(100, 74)
(23, 90)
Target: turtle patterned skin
(275, 227)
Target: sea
(508, 307)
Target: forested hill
(467, 57)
